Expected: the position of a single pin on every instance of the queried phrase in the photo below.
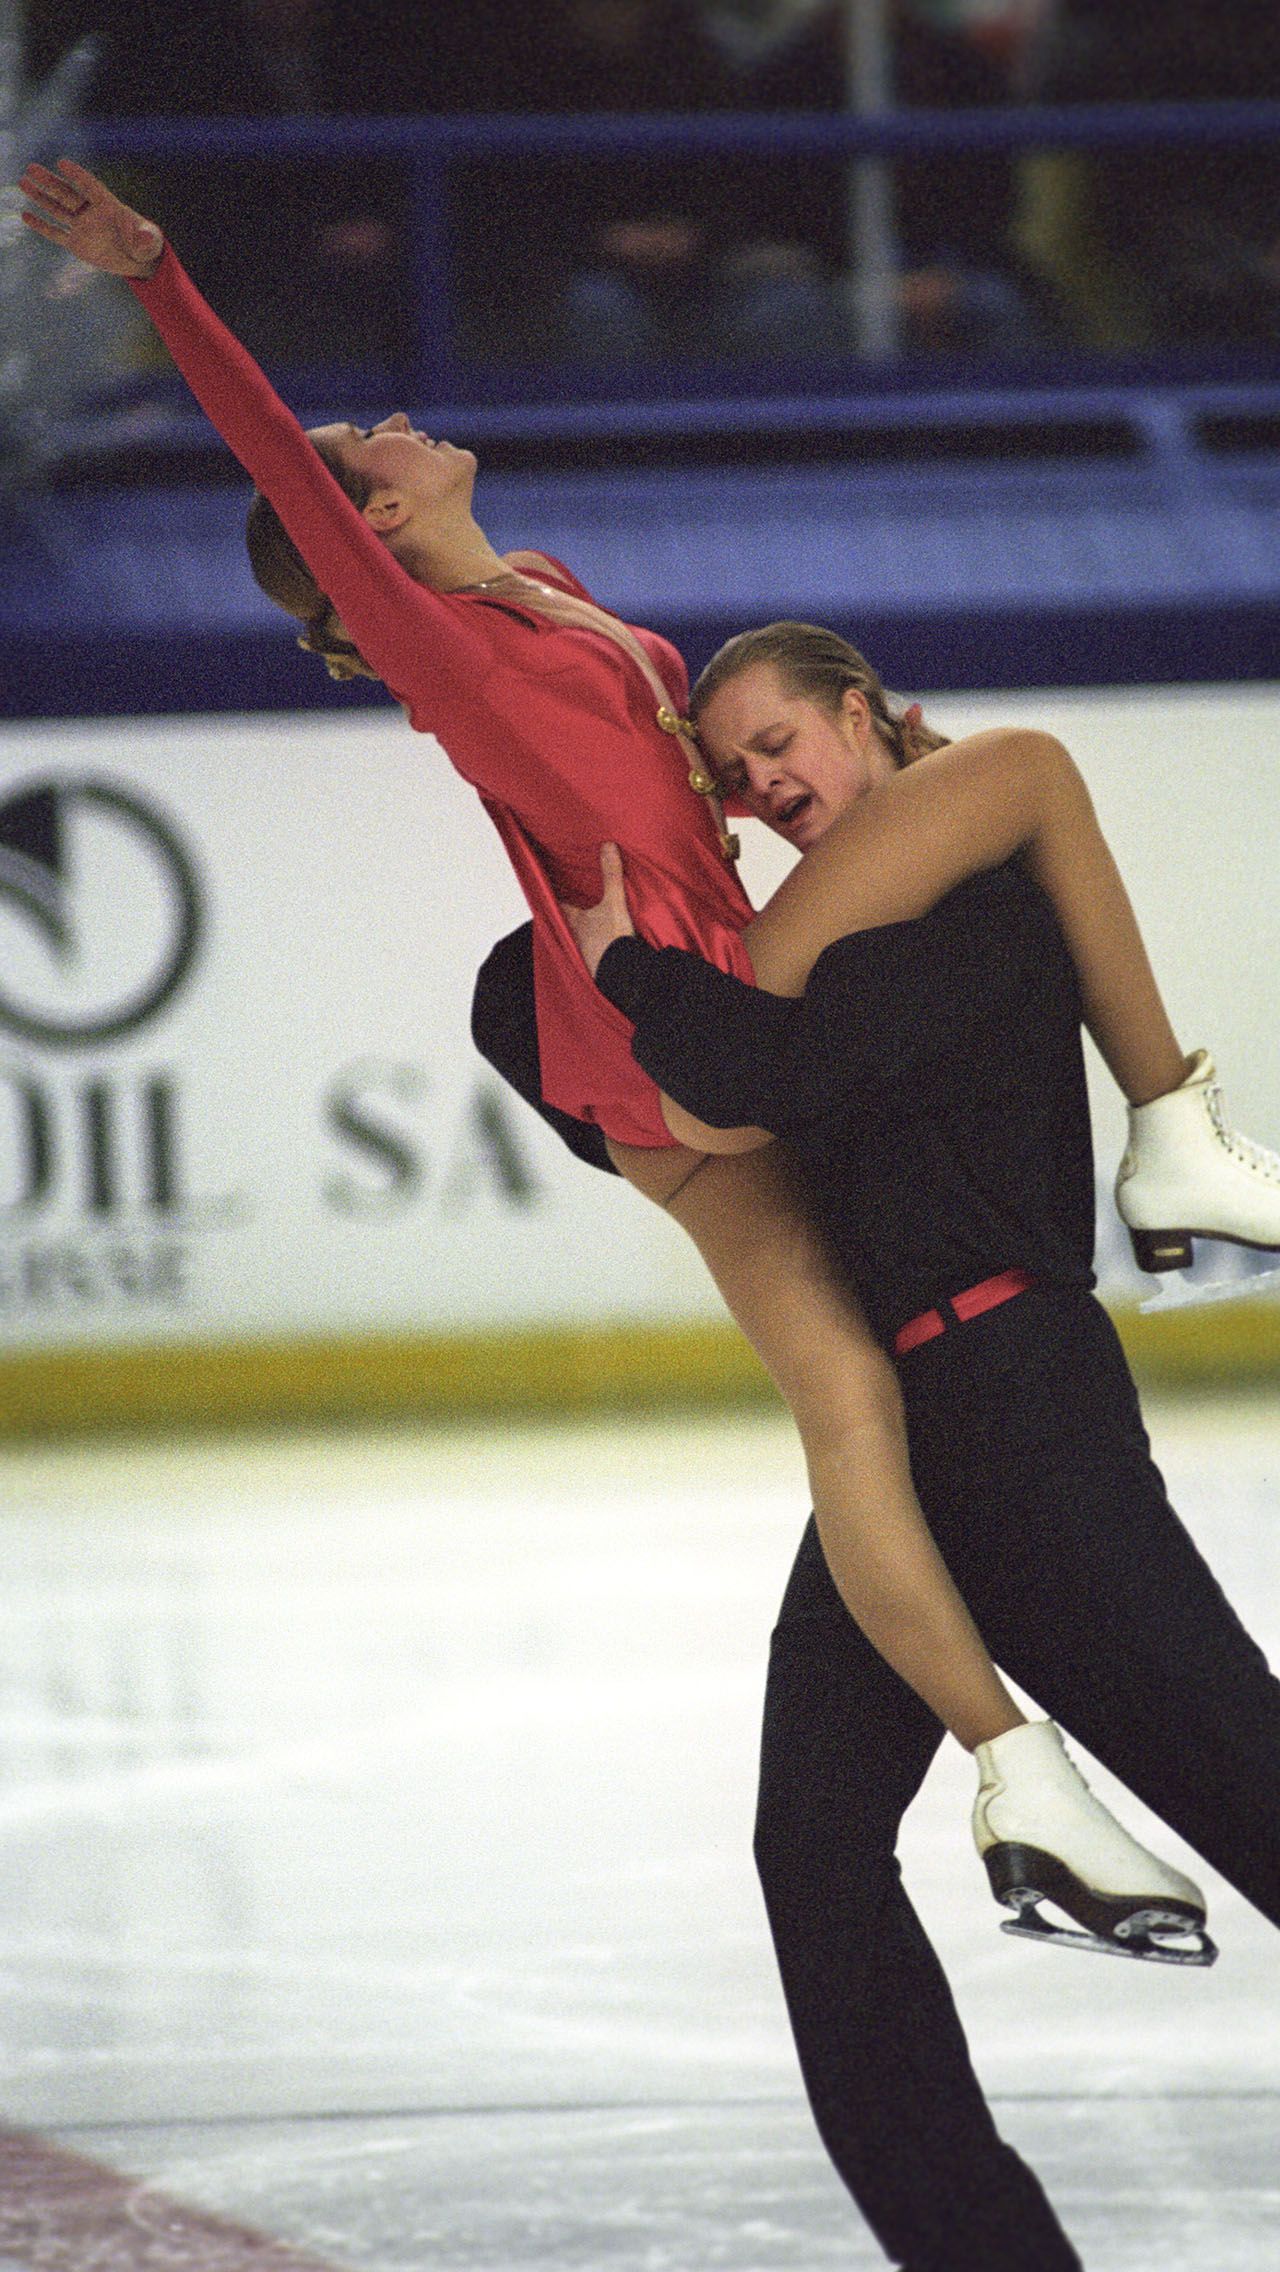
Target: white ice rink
(376, 1819)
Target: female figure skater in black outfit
(930, 1083)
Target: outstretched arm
(388, 615)
(75, 211)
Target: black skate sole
(1158, 1251)
(1158, 1932)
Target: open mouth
(787, 814)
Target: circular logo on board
(100, 911)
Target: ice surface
(375, 1816)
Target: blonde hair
(819, 666)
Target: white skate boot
(1185, 1174)
(1045, 1837)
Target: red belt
(971, 1303)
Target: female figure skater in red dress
(570, 726)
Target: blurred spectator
(1008, 32)
(631, 257)
(965, 285)
(748, 31)
(609, 258)
(1166, 246)
(634, 257)
(327, 235)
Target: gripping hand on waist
(596, 928)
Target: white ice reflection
(351, 1786)
(408, 1772)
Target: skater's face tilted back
(797, 726)
(415, 492)
(411, 481)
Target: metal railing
(438, 368)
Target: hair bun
(338, 666)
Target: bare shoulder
(1006, 744)
(1009, 734)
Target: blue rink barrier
(1158, 570)
(431, 150)
(1075, 522)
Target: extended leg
(772, 1270)
(957, 810)
(846, 1746)
(882, 1556)
(968, 806)
(1091, 1592)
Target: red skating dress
(556, 727)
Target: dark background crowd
(614, 260)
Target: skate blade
(1183, 1292)
(1138, 1937)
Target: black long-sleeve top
(930, 1084)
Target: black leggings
(1034, 1468)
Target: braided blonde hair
(820, 667)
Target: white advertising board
(238, 1097)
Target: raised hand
(596, 928)
(72, 208)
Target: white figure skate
(1044, 1837)
(1186, 1174)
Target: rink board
(709, 1366)
(251, 1165)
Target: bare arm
(968, 806)
(901, 848)
(394, 620)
